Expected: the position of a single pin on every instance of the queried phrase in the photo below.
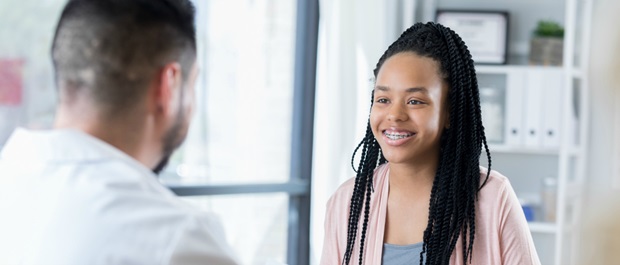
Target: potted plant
(547, 44)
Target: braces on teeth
(397, 136)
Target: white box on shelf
(552, 107)
(514, 109)
(532, 108)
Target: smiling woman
(419, 188)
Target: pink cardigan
(502, 234)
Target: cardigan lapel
(379, 212)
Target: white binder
(552, 107)
(515, 88)
(533, 110)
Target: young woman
(420, 196)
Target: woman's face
(409, 113)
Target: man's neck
(125, 133)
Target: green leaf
(549, 29)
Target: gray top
(401, 255)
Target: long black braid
(452, 211)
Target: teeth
(396, 136)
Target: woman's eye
(414, 102)
(382, 100)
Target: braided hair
(455, 188)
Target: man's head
(129, 58)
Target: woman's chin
(397, 159)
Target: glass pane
(255, 225)
(493, 104)
(27, 91)
(241, 131)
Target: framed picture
(484, 32)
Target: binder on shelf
(533, 108)
(515, 88)
(552, 107)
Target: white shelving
(503, 69)
(578, 73)
(543, 227)
(501, 148)
(498, 148)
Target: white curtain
(353, 34)
(605, 84)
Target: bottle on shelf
(548, 196)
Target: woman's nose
(397, 113)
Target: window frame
(298, 187)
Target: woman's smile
(397, 137)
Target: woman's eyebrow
(408, 90)
(417, 89)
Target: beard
(173, 138)
(161, 165)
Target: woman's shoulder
(496, 186)
(495, 181)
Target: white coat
(69, 198)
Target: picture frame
(484, 32)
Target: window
(244, 102)
(248, 154)
(27, 91)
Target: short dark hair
(110, 49)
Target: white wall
(605, 88)
(602, 211)
(605, 100)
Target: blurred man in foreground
(85, 192)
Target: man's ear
(164, 93)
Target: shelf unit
(495, 148)
(543, 227)
(557, 241)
